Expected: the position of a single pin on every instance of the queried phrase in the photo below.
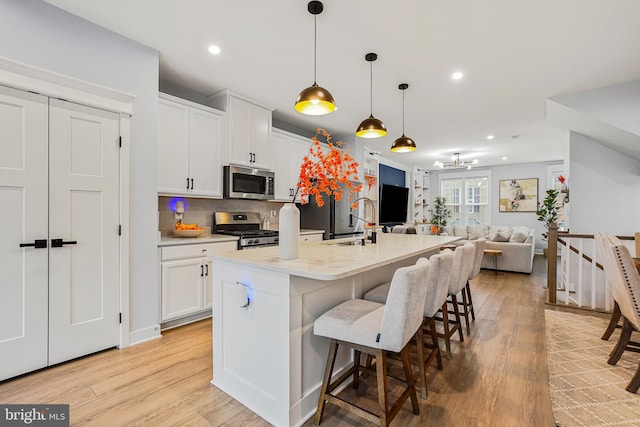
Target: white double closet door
(59, 188)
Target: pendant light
(404, 144)
(371, 127)
(315, 100)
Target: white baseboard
(144, 335)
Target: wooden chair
(636, 237)
(437, 290)
(375, 329)
(462, 263)
(603, 242)
(626, 291)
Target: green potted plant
(440, 214)
(548, 212)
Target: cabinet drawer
(192, 251)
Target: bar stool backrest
(438, 285)
(462, 264)
(404, 306)
(477, 257)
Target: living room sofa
(517, 244)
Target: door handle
(38, 244)
(192, 183)
(201, 271)
(206, 269)
(58, 243)
(187, 183)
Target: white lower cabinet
(186, 274)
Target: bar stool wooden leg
(422, 379)
(445, 327)
(473, 313)
(458, 320)
(331, 360)
(381, 374)
(411, 386)
(436, 343)
(356, 369)
(465, 310)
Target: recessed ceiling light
(214, 49)
(504, 158)
(457, 75)
(489, 137)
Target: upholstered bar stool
(467, 301)
(373, 328)
(462, 263)
(437, 291)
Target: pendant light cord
(315, 46)
(402, 112)
(371, 88)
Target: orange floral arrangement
(323, 171)
(435, 229)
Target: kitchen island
(265, 354)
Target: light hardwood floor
(497, 377)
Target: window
(473, 209)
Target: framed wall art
(518, 195)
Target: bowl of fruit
(188, 230)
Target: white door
(240, 132)
(84, 214)
(173, 148)
(205, 147)
(283, 185)
(182, 287)
(23, 220)
(261, 137)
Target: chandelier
(456, 163)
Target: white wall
(604, 188)
(525, 170)
(39, 34)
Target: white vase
(289, 231)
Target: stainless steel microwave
(247, 183)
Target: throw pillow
(460, 231)
(474, 233)
(447, 231)
(519, 235)
(503, 235)
(493, 230)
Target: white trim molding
(27, 77)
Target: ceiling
(514, 55)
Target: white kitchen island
(265, 354)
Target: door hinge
(120, 318)
(120, 142)
(119, 230)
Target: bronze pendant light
(315, 100)
(371, 127)
(404, 144)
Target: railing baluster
(594, 272)
(552, 262)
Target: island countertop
(328, 260)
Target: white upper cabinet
(289, 150)
(248, 130)
(189, 148)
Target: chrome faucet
(373, 217)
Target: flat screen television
(393, 204)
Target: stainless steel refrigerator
(333, 217)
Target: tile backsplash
(201, 211)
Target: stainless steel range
(245, 225)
